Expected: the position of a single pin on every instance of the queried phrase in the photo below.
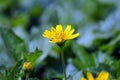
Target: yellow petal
(71, 31)
(47, 34)
(90, 76)
(103, 76)
(82, 78)
(53, 29)
(59, 28)
(74, 36)
(67, 29)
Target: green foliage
(97, 49)
(14, 45)
(32, 57)
(21, 19)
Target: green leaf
(111, 46)
(13, 73)
(14, 45)
(21, 19)
(32, 57)
(1, 76)
(33, 79)
(83, 59)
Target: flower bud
(27, 66)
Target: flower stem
(27, 76)
(63, 63)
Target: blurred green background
(97, 49)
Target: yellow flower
(27, 66)
(57, 35)
(102, 76)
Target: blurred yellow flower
(27, 66)
(102, 76)
(57, 35)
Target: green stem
(63, 63)
(27, 76)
